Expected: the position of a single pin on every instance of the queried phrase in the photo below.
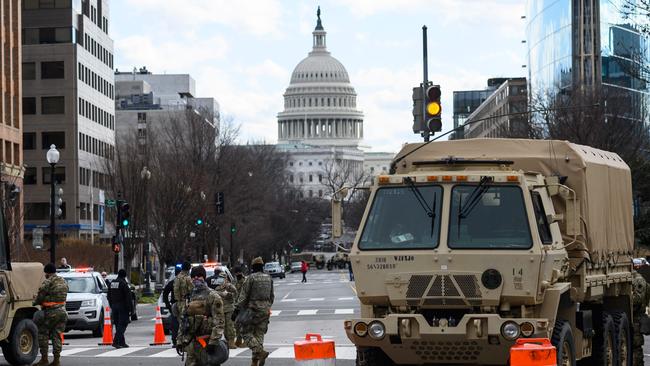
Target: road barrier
(158, 331)
(107, 339)
(533, 352)
(317, 352)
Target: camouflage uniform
(51, 297)
(238, 285)
(182, 289)
(228, 293)
(202, 324)
(640, 302)
(257, 296)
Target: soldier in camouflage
(640, 302)
(202, 324)
(182, 288)
(239, 282)
(52, 319)
(228, 292)
(254, 304)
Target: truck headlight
(510, 331)
(88, 303)
(361, 329)
(376, 330)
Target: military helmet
(257, 260)
(222, 274)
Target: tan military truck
(19, 283)
(470, 245)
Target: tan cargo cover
(601, 179)
(25, 279)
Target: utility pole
(233, 228)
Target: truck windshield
(497, 220)
(397, 219)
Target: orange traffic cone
(158, 331)
(63, 340)
(107, 340)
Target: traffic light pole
(425, 81)
(232, 256)
(52, 213)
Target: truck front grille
(455, 290)
(466, 351)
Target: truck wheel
(371, 356)
(623, 337)
(21, 347)
(564, 343)
(603, 344)
(99, 331)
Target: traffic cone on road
(159, 338)
(63, 340)
(107, 340)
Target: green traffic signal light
(199, 221)
(125, 223)
(233, 228)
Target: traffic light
(233, 228)
(126, 214)
(116, 245)
(433, 109)
(58, 202)
(218, 201)
(199, 221)
(418, 119)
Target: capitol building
(321, 128)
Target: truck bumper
(410, 339)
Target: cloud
(260, 18)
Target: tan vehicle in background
(19, 283)
(473, 244)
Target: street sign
(37, 238)
(110, 203)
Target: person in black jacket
(119, 297)
(169, 300)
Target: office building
(466, 102)
(502, 114)
(68, 93)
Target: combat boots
(56, 361)
(231, 344)
(262, 358)
(44, 361)
(239, 342)
(255, 361)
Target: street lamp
(52, 157)
(145, 174)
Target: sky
(243, 52)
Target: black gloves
(212, 348)
(234, 315)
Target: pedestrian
(182, 288)
(239, 282)
(304, 267)
(64, 264)
(350, 270)
(202, 325)
(640, 300)
(254, 305)
(119, 298)
(104, 275)
(228, 292)
(169, 300)
(52, 318)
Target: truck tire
(21, 348)
(565, 345)
(603, 344)
(623, 338)
(371, 356)
(99, 331)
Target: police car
(86, 300)
(210, 268)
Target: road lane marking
(307, 312)
(282, 352)
(346, 298)
(288, 300)
(168, 353)
(343, 311)
(120, 352)
(317, 299)
(72, 351)
(275, 312)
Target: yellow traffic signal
(433, 108)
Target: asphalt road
(318, 306)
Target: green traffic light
(125, 223)
(233, 229)
(199, 222)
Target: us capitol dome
(320, 104)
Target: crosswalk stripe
(120, 352)
(346, 353)
(282, 352)
(317, 299)
(288, 300)
(275, 312)
(236, 352)
(72, 351)
(346, 298)
(168, 353)
(344, 311)
(307, 312)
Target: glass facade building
(585, 44)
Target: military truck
(19, 283)
(469, 245)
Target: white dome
(319, 67)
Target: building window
(52, 70)
(311, 178)
(37, 210)
(311, 193)
(59, 175)
(320, 193)
(30, 4)
(29, 140)
(52, 105)
(291, 178)
(29, 105)
(320, 178)
(30, 176)
(53, 35)
(291, 163)
(29, 70)
(56, 138)
(62, 4)
(310, 163)
(30, 36)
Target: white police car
(86, 300)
